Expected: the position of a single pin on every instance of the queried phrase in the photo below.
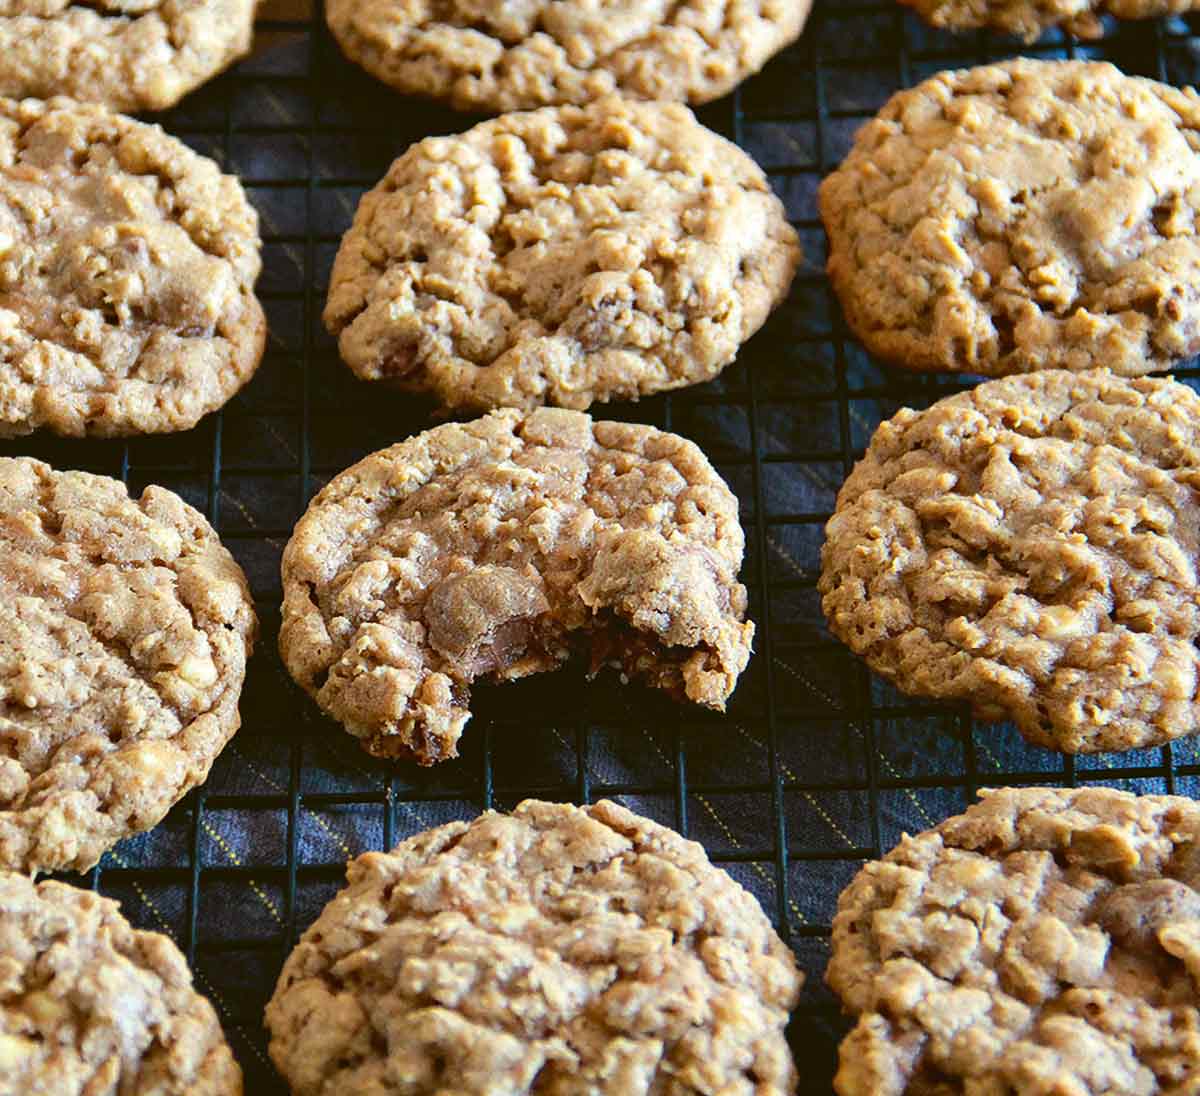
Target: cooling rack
(817, 765)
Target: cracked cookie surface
(496, 57)
(1029, 547)
(131, 55)
(1029, 18)
(127, 266)
(89, 1004)
(124, 632)
(1046, 941)
(494, 549)
(561, 256)
(558, 949)
(1023, 216)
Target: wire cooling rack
(816, 767)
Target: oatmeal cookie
(1029, 18)
(561, 256)
(1030, 547)
(557, 949)
(127, 266)
(124, 632)
(89, 1004)
(495, 548)
(129, 55)
(1022, 216)
(1046, 941)
(494, 57)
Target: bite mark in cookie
(494, 549)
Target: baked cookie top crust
(89, 1004)
(1029, 547)
(130, 55)
(127, 269)
(493, 57)
(125, 627)
(1029, 18)
(1022, 216)
(561, 256)
(1046, 941)
(557, 949)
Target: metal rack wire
(816, 766)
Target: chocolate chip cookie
(561, 256)
(1029, 547)
(89, 1004)
(1046, 941)
(1029, 215)
(495, 57)
(127, 266)
(130, 55)
(124, 632)
(1029, 18)
(496, 548)
(557, 949)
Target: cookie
(136, 56)
(498, 57)
(557, 949)
(89, 1004)
(561, 256)
(1029, 215)
(124, 632)
(127, 266)
(497, 548)
(1046, 941)
(1029, 547)
(1029, 18)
